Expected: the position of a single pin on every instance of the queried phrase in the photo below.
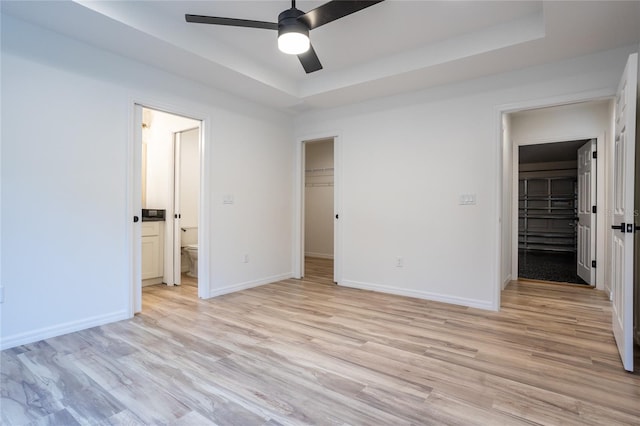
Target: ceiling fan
(293, 26)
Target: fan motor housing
(288, 22)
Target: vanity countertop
(153, 215)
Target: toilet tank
(189, 236)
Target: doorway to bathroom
(170, 198)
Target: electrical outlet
(245, 258)
(399, 262)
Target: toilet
(189, 244)
(192, 252)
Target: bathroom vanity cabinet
(152, 252)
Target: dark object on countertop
(153, 215)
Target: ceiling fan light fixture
(293, 43)
(293, 35)
(294, 25)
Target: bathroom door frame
(134, 200)
(175, 271)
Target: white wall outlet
(399, 262)
(245, 258)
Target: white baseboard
(506, 281)
(151, 281)
(249, 284)
(454, 300)
(7, 342)
(318, 255)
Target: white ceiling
(550, 152)
(392, 47)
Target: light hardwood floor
(187, 280)
(310, 352)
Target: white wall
(318, 236)
(584, 120)
(430, 147)
(159, 140)
(189, 178)
(66, 135)
(507, 201)
(637, 218)
(576, 121)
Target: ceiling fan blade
(333, 10)
(199, 19)
(310, 61)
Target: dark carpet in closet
(548, 266)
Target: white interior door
(176, 254)
(623, 214)
(136, 167)
(336, 212)
(586, 217)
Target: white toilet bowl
(192, 252)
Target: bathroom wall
(189, 178)
(159, 140)
(189, 190)
(318, 230)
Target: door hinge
(593, 263)
(594, 209)
(595, 154)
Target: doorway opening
(319, 210)
(170, 148)
(612, 121)
(556, 201)
(577, 121)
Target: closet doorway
(319, 209)
(556, 205)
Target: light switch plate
(467, 199)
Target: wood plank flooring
(310, 352)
